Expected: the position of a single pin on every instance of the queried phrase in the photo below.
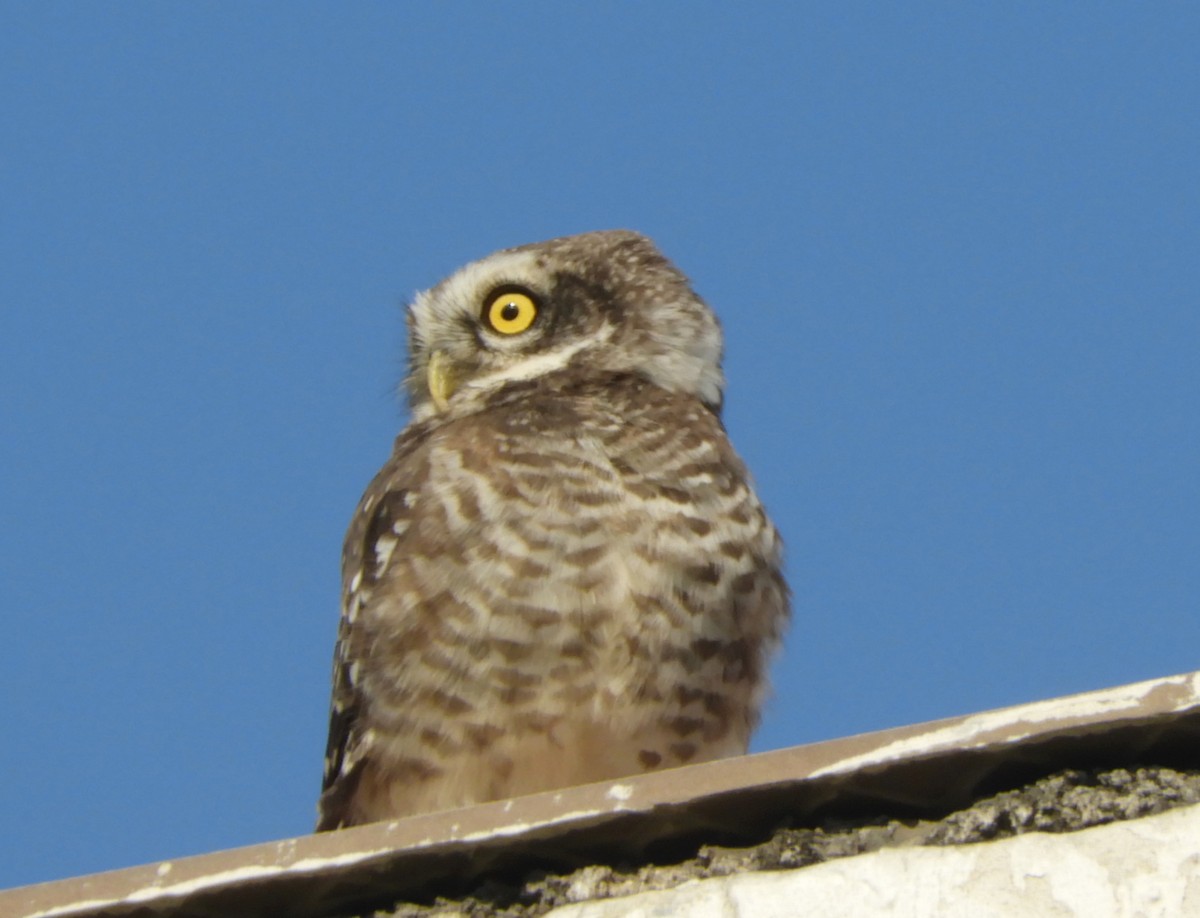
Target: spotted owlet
(562, 574)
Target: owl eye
(510, 312)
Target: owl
(562, 574)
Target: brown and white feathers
(562, 574)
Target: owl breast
(575, 584)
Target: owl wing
(381, 513)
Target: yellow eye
(510, 312)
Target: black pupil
(509, 311)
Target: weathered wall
(1028, 851)
(1147, 867)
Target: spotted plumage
(562, 574)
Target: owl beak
(439, 375)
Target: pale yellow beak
(440, 377)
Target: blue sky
(954, 248)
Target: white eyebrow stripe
(538, 365)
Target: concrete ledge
(925, 769)
(1146, 867)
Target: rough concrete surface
(1064, 802)
(1138, 868)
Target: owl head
(604, 301)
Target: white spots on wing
(384, 546)
(163, 869)
(356, 580)
(620, 792)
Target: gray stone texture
(1064, 802)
